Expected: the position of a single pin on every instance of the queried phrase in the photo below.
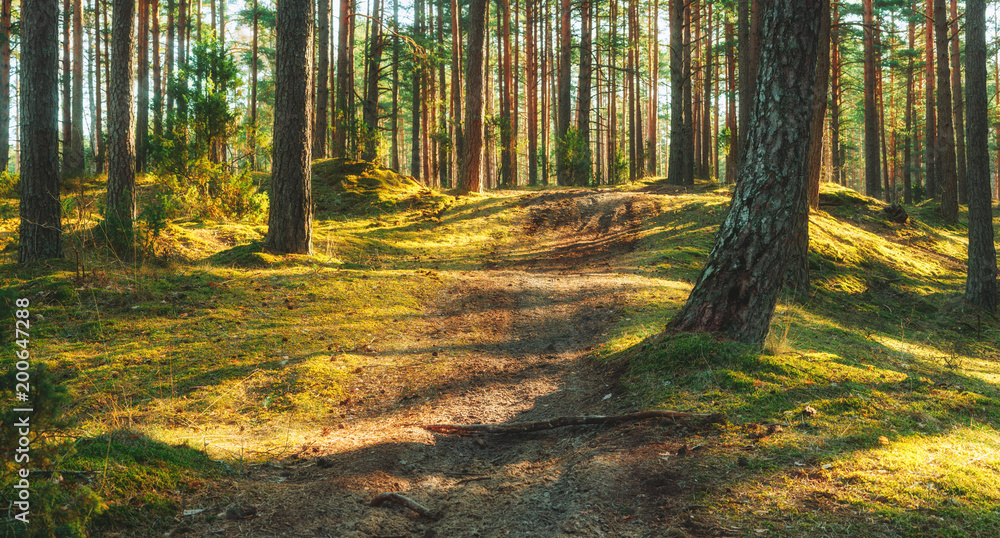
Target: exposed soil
(511, 345)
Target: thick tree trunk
(345, 80)
(121, 200)
(945, 142)
(371, 92)
(930, 114)
(908, 165)
(738, 289)
(981, 283)
(873, 165)
(583, 98)
(956, 92)
(836, 153)
(157, 76)
(5, 12)
(470, 173)
(322, 124)
(142, 95)
(749, 51)
(289, 221)
(562, 128)
(40, 231)
(675, 166)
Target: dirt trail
(514, 341)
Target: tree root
(525, 427)
(404, 501)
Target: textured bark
(731, 159)
(253, 86)
(531, 87)
(157, 75)
(67, 91)
(370, 110)
(289, 220)
(121, 201)
(706, 118)
(76, 162)
(738, 288)
(908, 165)
(345, 79)
(101, 155)
(945, 142)
(873, 166)
(981, 283)
(5, 10)
(322, 90)
(562, 127)
(930, 114)
(798, 266)
(470, 173)
(675, 166)
(415, 104)
(583, 100)
(836, 157)
(142, 96)
(749, 51)
(456, 90)
(687, 140)
(394, 116)
(956, 93)
(40, 228)
(170, 56)
(654, 87)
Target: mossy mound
(362, 187)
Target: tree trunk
(470, 173)
(456, 91)
(654, 94)
(40, 228)
(5, 12)
(583, 99)
(67, 93)
(289, 221)
(738, 289)
(945, 147)
(101, 153)
(981, 283)
(706, 117)
(415, 140)
(76, 167)
(157, 76)
(253, 87)
(908, 165)
(121, 201)
(371, 93)
(930, 121)
(675, 166)
(836, 153)
(506, 98)
(749, 51)
(873, 166)
(731, 158)
(170, 62)
(142, 96)
(562, 167)
(322, 124)
(531, 87)
(956, 92)
(345, 82)
(688, 138)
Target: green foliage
(575, 155)
(208, 190)
(10, 184)
(59, 506)
(618, 169)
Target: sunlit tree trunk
(562, 167)
(930, 114)
(736, 293)
(945, 147)
(956, 92)
(731, 159)
(121, 197)
(40, 230)
(981, 283)
(5, 13)
(675, 166)
(583, 99)
(142, 94)
(470, 173)
(345, 79)
(836, 153)
(531, 87)
(322, 124)
(908, 165)
(372, 92)
(289, 221)
(873, 165)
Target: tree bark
(40, 230)
(345, 79)
(930, 114)
(675, 166)
(738, 288)
(836, 153)
(956, 92)
(945, 143)
(687, 140)
(731, 157)
(253, 87)
(371, 93)
(981, 283)
(908, 165)
(749, 51)
(583, 99)
(67, 92)
(289, 222)
(142, 97)
(322, 124)
(76, 167)
(121, 200)
(873, 166)
(5, 12)
(470, 173)
(157, 76)
(562, 167)
(531, 87)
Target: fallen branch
(403, 501)
(525, 427)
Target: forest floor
(220, 390)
